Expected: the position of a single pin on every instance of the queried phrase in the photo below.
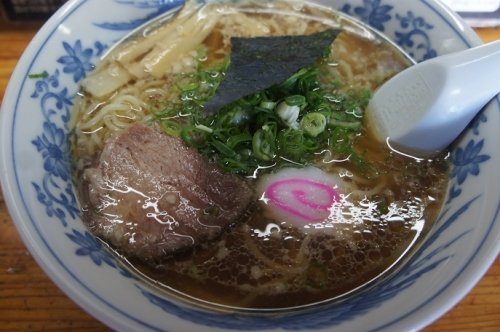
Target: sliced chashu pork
(150, 195)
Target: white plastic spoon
(424, 108)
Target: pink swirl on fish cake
(305, 199)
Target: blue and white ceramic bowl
(35, 178)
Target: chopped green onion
(313, 123)
(189, 86)
(295, 145)
(263, 143)
(240, 117)
(236, 166)
(295, 100)
(223, 148)
(258, 130)
(172, 128)
(204, 128)
(192, 135)
(254, 99)
(38, 75)
(352, 125)
(235, 140)
(301, 82)
(289, 114)
(268, 105)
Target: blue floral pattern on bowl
(159, 7)
(372, 12)
(77, 60)
(90, 246)
(54, 190)
(412, 34)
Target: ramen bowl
(36, 179)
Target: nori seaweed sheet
(260, 62)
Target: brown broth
(289, 268)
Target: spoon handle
(425, 107)
(474, 76)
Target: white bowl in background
(35, 175)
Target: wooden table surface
(29, 301)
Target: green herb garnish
(38, 75)
(291, 121)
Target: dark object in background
(477, 13)
(28, 11)
(482, 19)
